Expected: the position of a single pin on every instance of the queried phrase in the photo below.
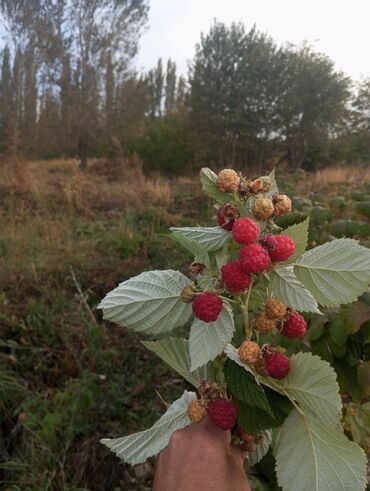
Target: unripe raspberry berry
(227, 181)
(245, 231)
(187, 294)
(263, 208)
(275, 309)
(295, 326)
(207, 306)
(282, 205)
(249, 352)
(197, 268)
(277, 365)
(222, 413)
(256, 186)
(254, 258)
(234, 278)
(226, 216)
(280, 247)
(248, 440)
(196, 411)
(262, 323)
(260, 366)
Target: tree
(170, 89)
(312, 100)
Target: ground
(67, 378)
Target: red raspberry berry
(277, 365)
(245, 231)
(222, 413)
(254, 258)
(280, 247)
(226, 216)
(234, 278)
(295, 326)
(207, 306)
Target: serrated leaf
(286, 287)
(137, 448)
(198, 251)
(312, 383)
(299, 233)
(232, 354)
(210, 238)
(335, 273)
(149, 303)
(312, 457)
(208, 181)
(175, 352)
(209, 339)
(274, 187)
(261, 448)
(243, 386)
(252, 420)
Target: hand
(200, 458)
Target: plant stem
(229, 300)
(244, 308)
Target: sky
(339, 28)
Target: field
(68, 378)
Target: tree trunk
(82, 152)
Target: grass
(67, 378)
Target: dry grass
(341, 174)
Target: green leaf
(312, 383)
(198, 251)
(175, 352)
(313, 457)
(299, 233)
(208, 181)
(286, 287)
(232, 354)
(253, 420)
(209, 339)
(336, 272)
(243, 386)
(210, 238)
(261, 448)
(137, 448)
(149, 303)
(337, 331)
(279, 404)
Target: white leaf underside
(149, 303)
(312, 457)
(335, 273)
(137, 448)
(261, 448)
(209, 339)
(210, 238)
(286, 287)
(175, 352)
(299, 233)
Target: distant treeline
(69, 87)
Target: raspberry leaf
(299, 233)
(199, 252)
(286, 288)
(175, 352)
(274, 187)
(209, 339)
(261, 448)
(149, 303)
(208, 181)
(310, 456)
(242, 385)
(335, 273)
(254, 420)
(232, 354)
(210, 238)
(138, 447)
(311, 382)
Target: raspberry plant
(246, 289)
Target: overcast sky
(339, 28)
